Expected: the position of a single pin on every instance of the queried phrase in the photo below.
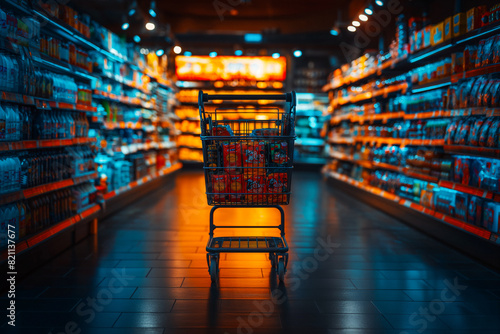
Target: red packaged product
(279, 152)
(222, 131)
(236, 187)
(220, 185)
(231, 154)
(277, 183)
(256, 184)
(253, 155)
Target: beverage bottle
(17, 123)
(9, 84)
(61, 126)
(2, 67)
(3, 116)
(17, 173)
(25, 171)
(14, 73)
(8, 123)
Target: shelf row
(44, 143)
(424, 177)
(132, 101)
(390, 64)
(132, 148)
(476, 230)
(383, 92)
(387, 141)
(91, 212)
(45, 188)
(142, 181)
(43, 104)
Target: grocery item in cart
(236, 188)
(277, 183)
(231, 153)
(256, 185)
(253, 155)
(278, 152)
(222, 131)
(265, 132)
(220, 184)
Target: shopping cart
(248, 158)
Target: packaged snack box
(491, 215)
(231, 154)
(461, 206)
(253, 155)
(277, 183)
(279, 152)
(222, 131)
(475, 210)
(492, 140)
(220, 185)
(256, 185)
(236, 187)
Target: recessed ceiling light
(363, 17)
(351, 28)
(356, 23)
(150, 26)
(177, 49)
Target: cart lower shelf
(247, 244)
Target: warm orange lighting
(261, 85)
(230, 68)
(277, 85)
(218, 84)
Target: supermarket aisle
(352, 267)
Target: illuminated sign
(230, 68)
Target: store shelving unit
(353, 163)
(141, 87)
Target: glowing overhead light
(253, 38)
(137, 39)
(351, 28)
(213, 54)
(131, 12)
(152, 9)
(368, 11)
(125, 26)
(297, 53)
(160, 52)
(177, 49)
(150, 26)
(276, 55)
(379, 2)
(238, 52)
(356, 23)
(363, 17)
(334, 32)
(187, 53)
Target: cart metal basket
(248, 161)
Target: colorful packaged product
(220, 185)
(449, 138)
(279, 152)
(491, 215)
(236, 187)
(277, 183)
(231, 154)
(444, 201)
(222, 131)
(461, 170)
(461, 205)
(253, 155)
(483, 133)
(475, 210)
(492, 140)
(475, 130)
(476, 168)
(256, 185)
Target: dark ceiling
(204, 25)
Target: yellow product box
(447, 28)
(474, 17)
(437, 34)
(427, 36)
(458, 24)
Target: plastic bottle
(9, 123)
(3, 116)
(22, 219)
(17, 173)
(9, 85)
(17, 124)
(14, 73)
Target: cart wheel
(281, 269)
(272, 257)
(214, 270)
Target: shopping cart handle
(234, 97)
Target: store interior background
(103, 114)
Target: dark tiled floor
(146, 273)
